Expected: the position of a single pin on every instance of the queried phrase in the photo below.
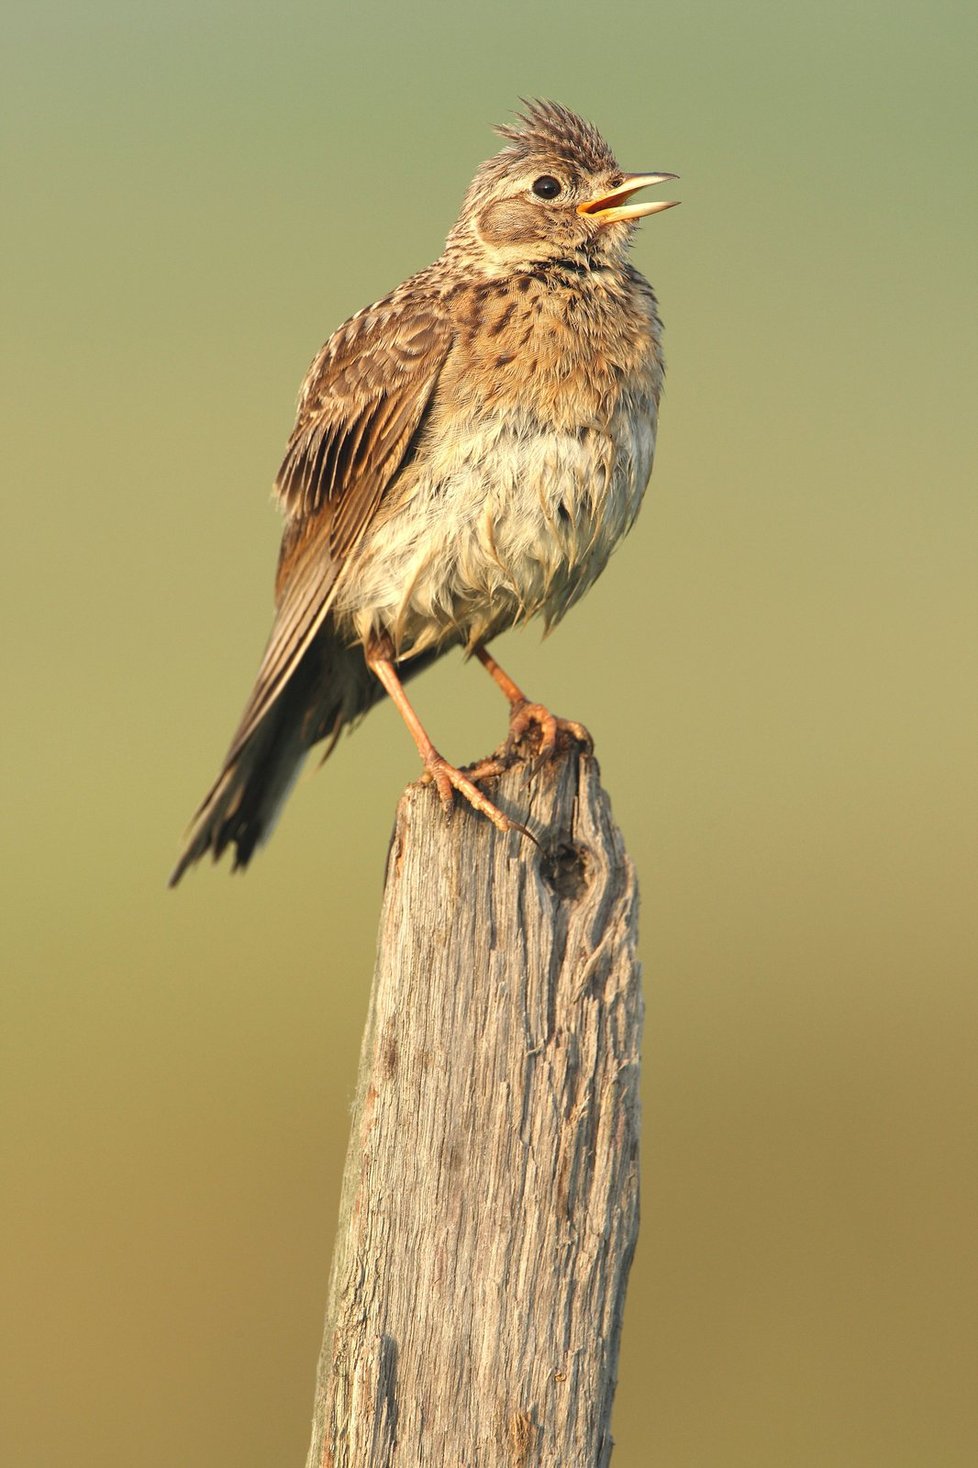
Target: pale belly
(502, 524)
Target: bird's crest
(547, 127)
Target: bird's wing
(360, 413)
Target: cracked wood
(490, 1199)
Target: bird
(467, 453)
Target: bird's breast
(502, 518)
(531, 465)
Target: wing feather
(360, 412)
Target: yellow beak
(611, 206)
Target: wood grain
(490, 1199)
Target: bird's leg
(524, 714)
(444, 776)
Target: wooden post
(490, 1199)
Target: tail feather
(244, 803)
(331, 687)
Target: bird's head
(556, 191)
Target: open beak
(613, 205)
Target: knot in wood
(565, 870)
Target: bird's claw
(489, 768)
(447, 779)
(552, 730)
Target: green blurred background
(779, 669)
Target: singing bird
(467, 453)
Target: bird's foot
(446, 779)
(551, 732)
(489, 768)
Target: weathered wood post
(490, 1199)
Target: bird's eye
(546, 187)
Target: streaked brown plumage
(467, 453)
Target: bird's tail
(329, 688)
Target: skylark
(467, 453)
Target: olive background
(778, 668)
